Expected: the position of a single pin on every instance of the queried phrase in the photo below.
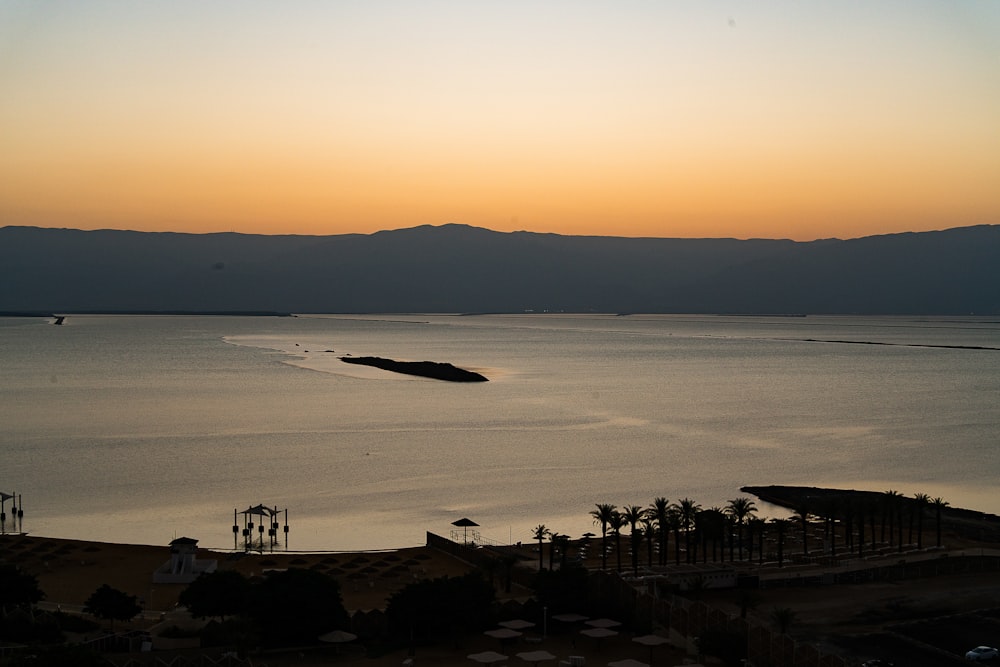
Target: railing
(474, 537)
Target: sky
(641, 118)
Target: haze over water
(142, 429)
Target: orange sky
(705, 119)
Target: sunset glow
(766, 119)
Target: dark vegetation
(281, 609)
(440, 609)
(112, 604)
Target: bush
(442, 607)
(296, 606)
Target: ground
(916, 622)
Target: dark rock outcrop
(429, 369)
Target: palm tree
(539, 533)
(687, 509)
(938, 504)
(890, 499)
(741, 509)
(632, 514)
(560, 543)
(711, 525)
(758, 524)
(802, 514)
(659, 510)
(871, 508)
(674, 523)
(649, 532)
(920, 502)
(780, 525)
(602, 515)
(617, 523)
(849, 514)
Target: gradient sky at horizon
(797, 120)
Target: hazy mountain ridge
(457, 268)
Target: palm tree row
(738, 529)
(685, 519)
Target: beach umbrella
(487, 657)
(535, 657)
(337, 637)
(503, 634)
(651, 641)
(465, 523)
(569, 618)
(627, 662)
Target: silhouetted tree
(648, 531)
(890, 499)
(221, 593)
(802, 513)
(296, 605)
(780, 525)
(659, 510)
(112, 604)
(920, 502)
(437, 608)
(632, 514)
(539, 533)
(687, 509)
(603, 515)
(938, 504)
(18, 588)
(563, 590)
(742, 509)
(617, 523)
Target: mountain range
(457, 268)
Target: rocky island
(429, 369)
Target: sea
(142, 429)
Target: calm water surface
(142, 429)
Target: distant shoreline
(968, 523)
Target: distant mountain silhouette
(457, 268)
